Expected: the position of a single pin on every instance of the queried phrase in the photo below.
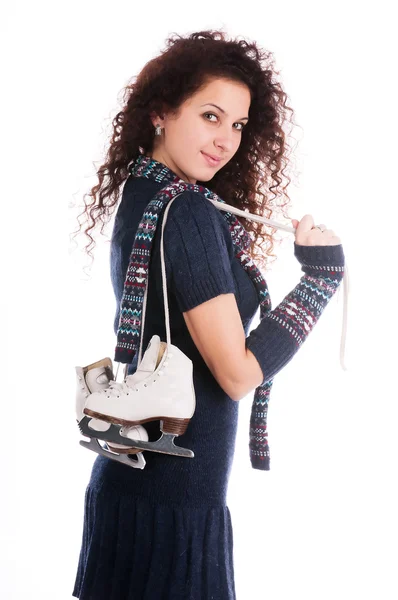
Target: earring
(158, 130)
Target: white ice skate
(161, 389)
(90, 379)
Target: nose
(225, 139)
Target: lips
(214, 158)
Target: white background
(322, 523)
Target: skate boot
(161, 389)
(93, 378)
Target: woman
(165, 532)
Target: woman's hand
(308, 235)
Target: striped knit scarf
(129, 330)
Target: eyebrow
(223, 111)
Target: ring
(317, 227)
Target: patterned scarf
(129, 330)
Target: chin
(204, 179)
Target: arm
(199, 269)
(283, 331)
(240, 365)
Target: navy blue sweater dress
(165, 532)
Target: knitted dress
(165, 532)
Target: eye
(213, 115)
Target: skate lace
(121, 387)
(118, 387)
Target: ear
(156, 120)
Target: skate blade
(119, 450)
(110, 435)
(164, 445)
(90, 432)
(95, 446)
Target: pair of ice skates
(160, 389)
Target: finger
(305, 225)
(329, 233)
(336, 240)
(322, 226)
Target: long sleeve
(283, 330)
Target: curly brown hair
(252, 179)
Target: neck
(161, 157)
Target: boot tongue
(97, 379)
(148, 361)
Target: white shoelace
(247, 215)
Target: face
(202, 128)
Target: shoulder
(194, 226)
(198, 250)
(192, 209)
(188, 200)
